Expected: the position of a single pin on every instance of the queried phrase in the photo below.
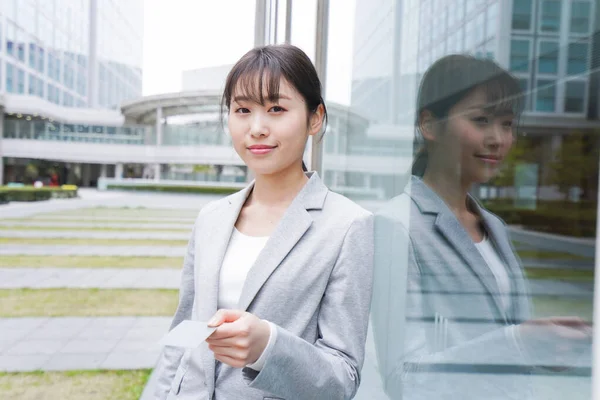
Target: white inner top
(241, 254)
(495, 263)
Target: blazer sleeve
(329, 368)
(170, 357)
(409, 358)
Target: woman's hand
(240, 338)
(557, 341)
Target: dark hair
(260, 71)
(452, 78)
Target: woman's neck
(449, 187)
(278, 189)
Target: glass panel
(32, 55)
(575, 97)
(437, 329)
(546, 96)
(578, 58)
(521, 18)
(550, 18)
(580, 17)
(10, 86)
(32, 84)
(519, 55)
(21, 81)
(548, 60)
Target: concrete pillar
(1, 151)
(119, 171)
(103, 170)
(92, 89)
(156, 170)
(85, 175)
(159, 126)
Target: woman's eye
(242, 110)
(277, 109)
(481, 120)
(507, 124)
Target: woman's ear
(315, 122)
(427, 123)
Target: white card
(187, 334)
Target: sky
(180, 35)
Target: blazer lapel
(453, 231)
(211, 244)
(449, 226)
(293, 225)
(501, 240)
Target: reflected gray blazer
(441, 331)
(313, 280)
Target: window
(32, 84)
(492, 20)
(578, 58)
(550, 16)
(580, 17)
(521, 18)
(40, 88)
(546, 96)
(50, 65)
(575, 95)
(40, 61)
(519, 55)
(524, 83)
(21, 51)
(20, 81)
(548, 60)
(32, 54)
(10, 78)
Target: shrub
(29, 193)
(559, 217)
(176, 189)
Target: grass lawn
(553, 306)
(560, 274)
(73, 385)
(21, 261)
(127, 212)
(87, 302)
(92, 242)
(550, 255)
(95, 228)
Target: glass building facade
(437, 342)
(73, 53)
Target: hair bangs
(256, 79)
(503, 95)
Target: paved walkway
(77, 234)
(83, 225)
(101, 218)
(85, 250)
(102, 278)
(69, 343)
(146, 278)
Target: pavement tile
(22, 363)
(89, 346)
(66, 362)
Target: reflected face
(270, 138)
(475, 139)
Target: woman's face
(271, 138)
(474, 140)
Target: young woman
(283, 268)
(451, 310)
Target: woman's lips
(261, 149)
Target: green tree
(576, 163)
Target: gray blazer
(441, 331)
(313, 280)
